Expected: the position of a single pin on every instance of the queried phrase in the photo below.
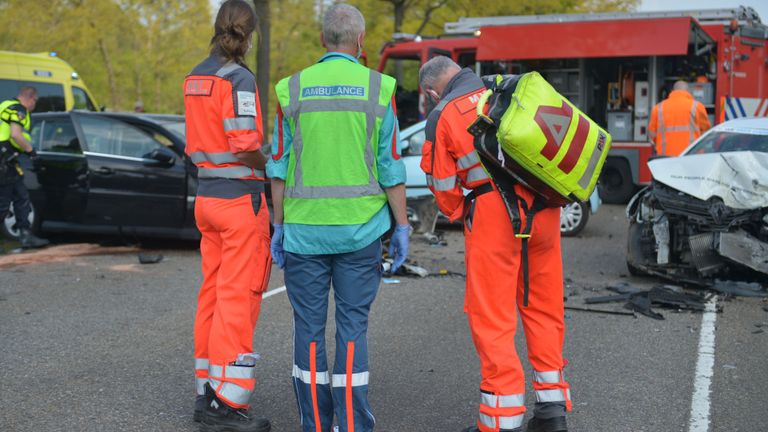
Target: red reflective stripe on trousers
(395, 155)
(348, 389)
(279, 154)
(313, 383)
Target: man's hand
(276, 246)
(32, 155)
(398, 246)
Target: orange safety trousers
(495, 295)
(236, 264)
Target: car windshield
(732, 141)
(177, 128)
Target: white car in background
(705, 214)
(421, 206)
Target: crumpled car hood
(740, 179)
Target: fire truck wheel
(616, 185)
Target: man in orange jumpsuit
(224, 138)
(677, 121)
(493, 257)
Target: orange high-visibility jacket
(448, 156)
(223, 118)
(676, 122)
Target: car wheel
(635, 250)
(616, 186)
(8, 228)
(413, 218)
(573, 218)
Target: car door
(136, 182)
(58, 180)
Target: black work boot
(29, 240)
(220, 417)
(554, 424)
(200, 403)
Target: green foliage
(129, 50)
(125, 50)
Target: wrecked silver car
(705, 215)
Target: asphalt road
(102, 343)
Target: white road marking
(705, 364)
(270, 293)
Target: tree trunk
(110, 74)
(400, 8)
(262, 58)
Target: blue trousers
(355, 277)
(17, 193)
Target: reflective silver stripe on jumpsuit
(201, 364)
(229, 390)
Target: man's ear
(433, 94)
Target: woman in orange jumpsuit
(224, 139)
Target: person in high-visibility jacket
(15, 123)
(224, 139)
(677, 121)
(335, 166)
(495, 288)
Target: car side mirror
(160, 157)
(404, 145)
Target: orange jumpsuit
(494, 275)
(223, 118)
(676, 122)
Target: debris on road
(150, 258)
(737, 288)
(390, 281)
(603, 311)
(642, 301)
(404, 270)
(61, 253)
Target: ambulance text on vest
(338, 90)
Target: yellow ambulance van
(58, 86)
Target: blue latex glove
(398, 246)
(276, 246)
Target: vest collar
(334, 55)
(680, 94)
(465, 80)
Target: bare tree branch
(428, 14)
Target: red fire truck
(614, 66)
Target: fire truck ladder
(471, 25)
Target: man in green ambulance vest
(336, 174)
(14, 141)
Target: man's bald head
(680, 85)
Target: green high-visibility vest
(334, 109)
(7, 115)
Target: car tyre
(573, 218)
(635, 250)
(8, 226)
(616, 186)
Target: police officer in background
(14, 140)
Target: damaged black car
(705, 215)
